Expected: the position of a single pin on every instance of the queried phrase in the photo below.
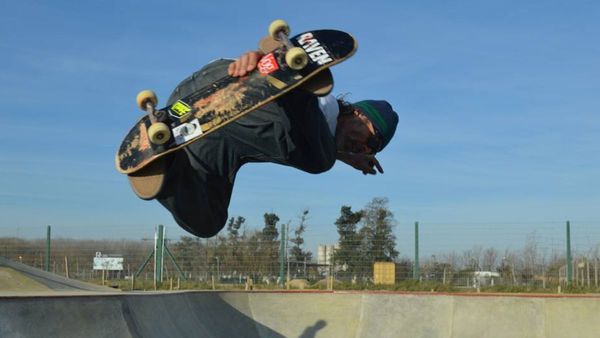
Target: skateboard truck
(295, 57)
(158, 133)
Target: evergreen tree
(270, 232)
(233, 228)
(346, 255)
(270, 244)
(379, 240)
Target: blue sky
(498, 103)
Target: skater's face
(355, 133)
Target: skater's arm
(366, 163)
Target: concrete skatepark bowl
(306, 314)
(80, 311)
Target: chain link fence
(450, 256)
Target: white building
(325, 256)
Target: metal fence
(448, 255)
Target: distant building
(485, 278)
(325, 256)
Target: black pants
(291, 131)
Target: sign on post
(104, 262)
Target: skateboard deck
(229, 98)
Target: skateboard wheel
(278, 26)
(296, 58)
(144, 96)
(159, 133)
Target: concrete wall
(274, 314)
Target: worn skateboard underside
(230, 98)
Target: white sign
(108, 263)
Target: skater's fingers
(369, 164)
(375, 162)
(252, 61)
(234, 68)
(369, 171)
(243, 65)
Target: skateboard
(291, 62)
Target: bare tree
(490, 259)
(530, 258)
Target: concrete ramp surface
(298, 314)
(15, 276)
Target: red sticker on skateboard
(268, 64)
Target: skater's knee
(204, 227)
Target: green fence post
(282, 255)
(416, 270)
(569, 257)
(177, 267)
(47, 260)
(158, 254)
(143, 266)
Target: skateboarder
(299, 130)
